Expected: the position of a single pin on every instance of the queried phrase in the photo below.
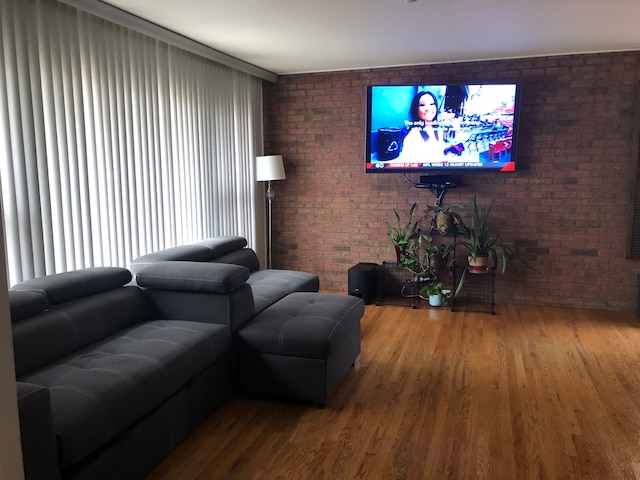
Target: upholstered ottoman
(301, 347)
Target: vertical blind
(114, 144)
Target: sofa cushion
(101, 390)
(64, 329)
(231, 310)
(306, 325)
(269, 286)
(63, 287)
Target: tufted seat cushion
(269, 286)
(102, 389)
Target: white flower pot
(435, 300)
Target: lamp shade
(270, 167)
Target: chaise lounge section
(301, 347)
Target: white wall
(10, 450)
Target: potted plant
(402, 234)
(433, 290)
(415, 251)
(416, 260)
(438, 257)
(418, 256)
(481, 244)
(444, 219)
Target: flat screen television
(434, 128)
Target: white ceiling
(301, 36)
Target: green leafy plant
(413, 247)
(432, 288)
(417, 257)
(476, 237)
(438, 257)
(402, 234)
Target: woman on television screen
(423, 143)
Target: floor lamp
(268, 168)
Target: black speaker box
(363, 281)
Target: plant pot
(444, 222)
(479, 265)
(399, 252)
(437, 262)
(435, 300)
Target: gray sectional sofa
(112, 373)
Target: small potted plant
(415, 252)
(438, 257)
(445, 219)
(433, 290)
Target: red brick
(570, 194)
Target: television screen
(428, 128)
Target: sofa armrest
(39, 450)
(193, 276)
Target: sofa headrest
(245, 257)
(63, 287)
(223, 244)
(27, 303)
(193, 276)
(191, 253)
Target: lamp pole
(270, 195)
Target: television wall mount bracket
(438, 184)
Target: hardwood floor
(530, 393)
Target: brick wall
(567, 206)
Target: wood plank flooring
(530, 393)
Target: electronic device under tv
(439, 128)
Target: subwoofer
(363, 281)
